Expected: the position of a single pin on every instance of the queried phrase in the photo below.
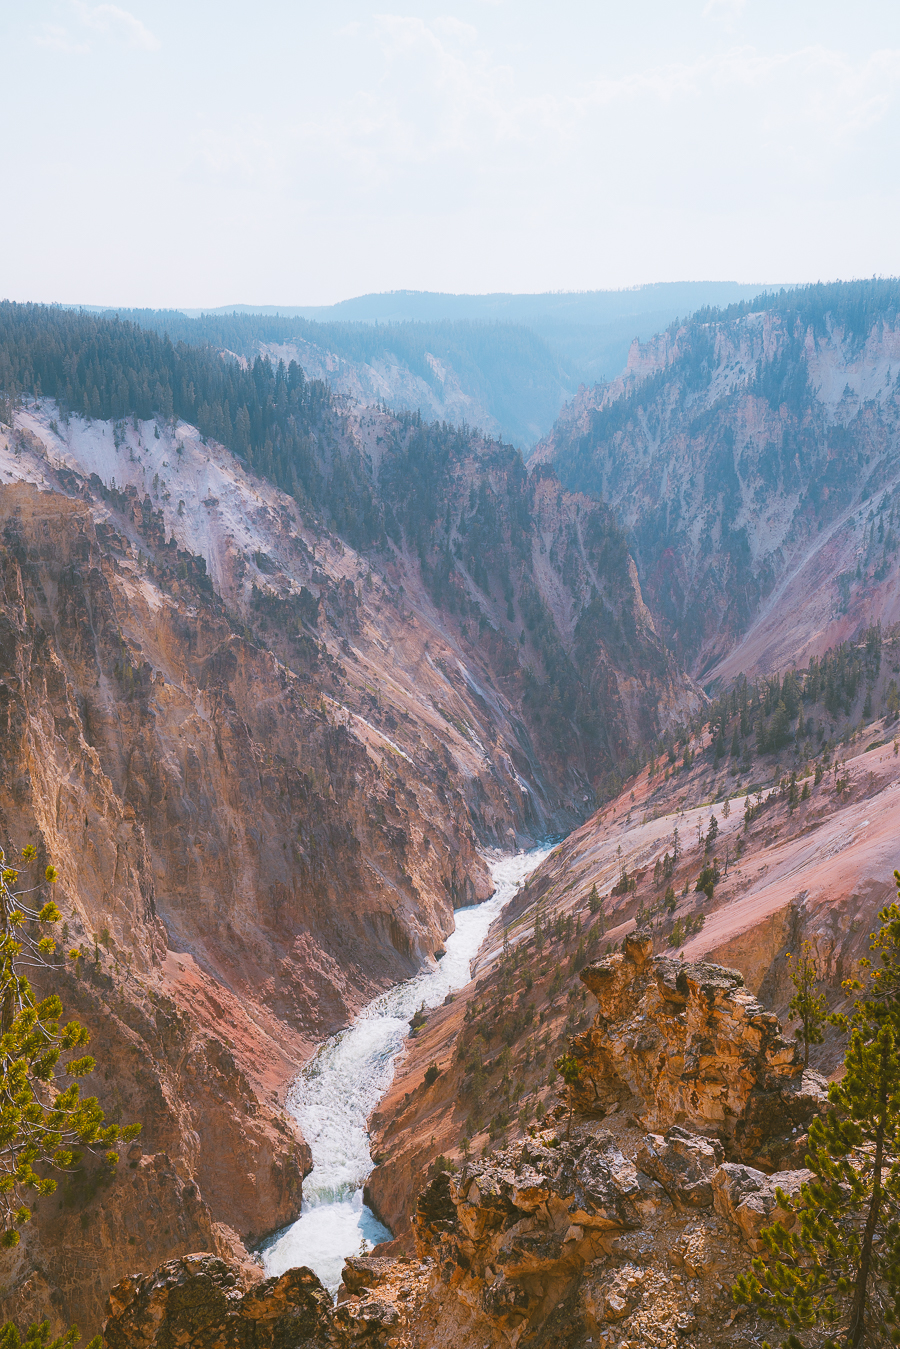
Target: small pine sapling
(568, 1069)
(807, 1006)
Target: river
(342, 1084)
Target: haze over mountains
(501, 363)
(279, 660)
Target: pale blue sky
(199, 153)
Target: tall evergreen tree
(834, 1277)
(44, 1120)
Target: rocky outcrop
(199, 1301)
(685, 1042)
(748, 1199)
(602, 1239)
(204, 1302)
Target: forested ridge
(484, 351)
(460, 504)
(271, 415)
(854, 307)
(506, 369)
(742, 435)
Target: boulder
(199, 1301)
(748, 1200)
(683, 1163)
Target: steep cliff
(752, 456)
(264, 764)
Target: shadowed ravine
(339, 1088)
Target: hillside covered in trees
(461, 508)
(751, 454)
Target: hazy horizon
(206, 155)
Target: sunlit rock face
(580, 1241)
(689, 1045)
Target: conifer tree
(44, 1120)
(568, 1068)
(834, 1277)
(712, 833)
(807, 1006)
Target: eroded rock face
(512, 1236)
(150, 1205)
(690, 1045)
(203, 1302)
(208, 821)
(601, 1240)
(719, 518)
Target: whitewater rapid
(342, 1084)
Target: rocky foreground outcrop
(607, 1238)
(207, 1303)
(626, 1230)
(199, 1301)
(685, 1043)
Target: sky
(206, 152)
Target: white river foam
(342, 1084)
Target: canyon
(272, 740)
(266, 773)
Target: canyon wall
(753, 461)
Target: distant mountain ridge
(502, 363)
(590, 307)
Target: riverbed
(343, 1083)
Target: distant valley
(502, 364)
